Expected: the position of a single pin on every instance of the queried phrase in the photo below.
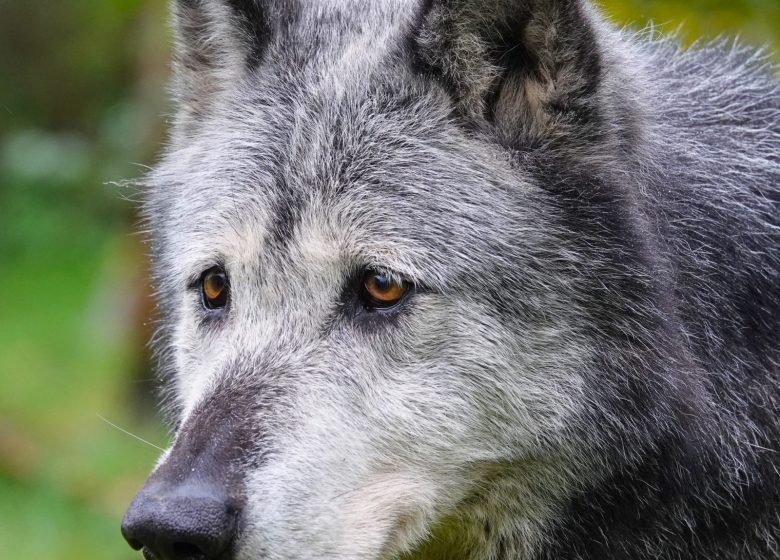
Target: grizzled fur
(588, 364)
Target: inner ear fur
(215, 41)
(527, 65)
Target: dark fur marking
(409, 45)
(253, 21)
(286, 209)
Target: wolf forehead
(348, 143)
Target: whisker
(129, 433)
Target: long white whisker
(129, 433)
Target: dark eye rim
(224, 300)
(370, 304)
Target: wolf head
(462, 154)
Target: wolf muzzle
(190, 507)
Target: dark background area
(82, 108)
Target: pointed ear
(531, 66)
(216, 41)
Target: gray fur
(588, 367)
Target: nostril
(177, 523)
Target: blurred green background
(83, 105)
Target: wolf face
(414, 299)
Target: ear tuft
(527, 64)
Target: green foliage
(755, 21)
(74, 112)
(80, 99)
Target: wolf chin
(463, 279)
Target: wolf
(463, 279)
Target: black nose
(180, 522)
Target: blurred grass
(81, 104)
(81, 99)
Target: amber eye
(381, 291)
(214, 287)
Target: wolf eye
(381, 291)
(214, 288)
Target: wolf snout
(174, 522)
